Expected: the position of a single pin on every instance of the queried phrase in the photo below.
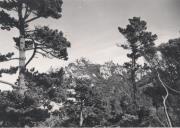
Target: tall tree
(42, 40)
(138, 41)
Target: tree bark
(81, 119)
(22, 57)
(81, 114)
(133, 79)
(22, 65)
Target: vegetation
(42, 40)
(139, 41)
(21, 106)
(84, 94)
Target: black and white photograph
(89, 63)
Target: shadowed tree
(138, 42)
(42, 40)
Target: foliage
(104, 101)
(87, 101)
(41, 8)
(48, 85)
(18, 111)
(5, 58)
(42, 88)
(42, 40)
(170, 75)
(139, 42)
(34, 107)
(88, 94)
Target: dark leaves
(45, 8)
(8, 4)
(11, 70)
(7, 22)
(51, 42)
(6, 57)
(19, 111)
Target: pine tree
(42, 40)
(21, 108)
(139, 41)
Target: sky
(91, 27)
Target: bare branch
(30, 31)
(164, 101)
(27, 12)
(43, 54)
(164, 86)
(5, 82)
(34, 18)
(172, 89)
(34, 53)
(11, 59)
(157, 117)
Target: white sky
(91, 27)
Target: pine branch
(32, 19)
(8, 83)
(11, 70)
(8, 5)
(12, 59)
(50, 53)
(26, 14)
(7, 57)
(34, 53)
(7, 22)
(43, 54)
(178, 92)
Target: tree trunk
(22, 58)
(133, 79)
(22, 65)
(81, 114)
(81, 119)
